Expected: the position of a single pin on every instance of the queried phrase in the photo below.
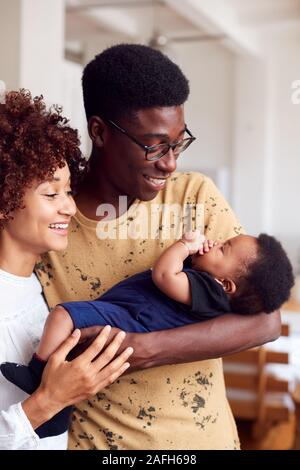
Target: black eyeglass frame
(151, 148)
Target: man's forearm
(219, 337)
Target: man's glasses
(155, 152)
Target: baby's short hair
(267, 282)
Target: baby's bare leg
(57, 328)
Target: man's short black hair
(268, 280)
(126, 78)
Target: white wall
(252, 116)
(266, 169)
(72, 101)
(42, 47)
(10, 38)
(32, 46)
(209, 113)
(285, 185)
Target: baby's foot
(27, 378)
(56, 425)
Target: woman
(39, 156)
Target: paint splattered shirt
(181, 406)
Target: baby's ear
(229, 286)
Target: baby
(245, 275)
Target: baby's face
(225, 260)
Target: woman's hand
(65, 383)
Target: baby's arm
(57, 329)
(167, 272)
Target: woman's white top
(23, 312)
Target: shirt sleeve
(208, 297)
(16, 432)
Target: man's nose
(168, 162)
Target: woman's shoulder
(18, 294)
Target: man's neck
(94, 192)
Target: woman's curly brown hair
(34, 142)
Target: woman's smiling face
(42, 224)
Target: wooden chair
(258, 384)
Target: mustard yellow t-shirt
(180, 406)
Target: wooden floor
(279, 437)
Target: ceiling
(238, 24)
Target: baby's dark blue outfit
(135, 305)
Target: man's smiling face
(123, 161)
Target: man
(134, 100)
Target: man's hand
(86, 338)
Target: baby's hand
(196, 242)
